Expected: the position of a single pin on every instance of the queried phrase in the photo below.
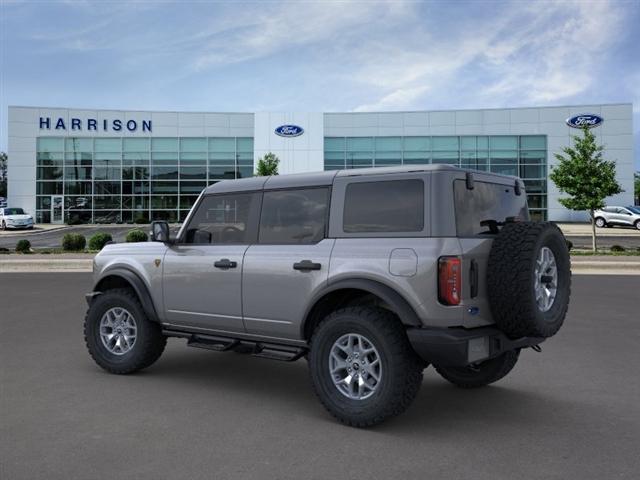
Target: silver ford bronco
(370, 274)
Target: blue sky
(318, 55)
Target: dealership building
(108, 166)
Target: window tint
(294, 216)
(487, 201)
(385, 206)
(224, 219)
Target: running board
(286, 353)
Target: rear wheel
(482, 374)
(119, 336)
(600, 222)
(362, 366)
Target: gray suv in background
(371, 275)
(621, 216)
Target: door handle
(225, 264)
(306, 265)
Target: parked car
(371, 275)
(622, 216)
(15, 218)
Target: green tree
(3, 174)
(268, 165)
(636, 187)
(585, 177)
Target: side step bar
(272, 351)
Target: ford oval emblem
(588, 120)
(289, 131)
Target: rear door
(289, 262)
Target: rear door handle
(225, 264)
(306, 265)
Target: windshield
(634, 209)
(13, 211)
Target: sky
(318, 55)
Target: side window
(224, 219)
(384, 206)
(294, 216)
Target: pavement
(570, 412)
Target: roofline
(324, 112)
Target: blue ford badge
(583, 120)
(289, 131)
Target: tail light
(449, 280)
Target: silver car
(622, 216)
(371, 275)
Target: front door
(290, 262)
(202, 275)
(57, 209)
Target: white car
(624, 216)
(15, 218)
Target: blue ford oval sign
(289, 131)
(588, 120)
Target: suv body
(15, 218)
(262, 264)
(624, 216)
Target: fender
(138, 286)
(397, 302)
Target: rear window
(487, 201)
(296, 216)
(384, 206)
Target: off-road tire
(149, 344)
(401, 367)
(602, 221)
(511, 279)
(483, 374)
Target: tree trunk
(594, 245)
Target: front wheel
(637, 224)
(119, 336)
(362, 366)
(482, 374)
(600, 222)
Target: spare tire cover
(529, 279)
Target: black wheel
(119, 336)
(482, 374)
(601, 222)
(637, 224)
(362, 366)
(529, 279)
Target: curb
(49, 265)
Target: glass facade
(113, 180)
(521, 155)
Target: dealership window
(524, 155)
(385, 206)
(148, 178)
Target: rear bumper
(457, 347)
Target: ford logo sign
(289, 131)
(583, 120)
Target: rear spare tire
(529, 279)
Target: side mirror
(160, 231)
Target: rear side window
(297, 216)
(384, 206)
(487, 201)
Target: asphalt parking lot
(571, 412)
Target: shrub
(99, 240)
(617, 248)
(4, 250)
(74, 220)
(73, 242)
(23, 246)
(136, 235)
(142, 220)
